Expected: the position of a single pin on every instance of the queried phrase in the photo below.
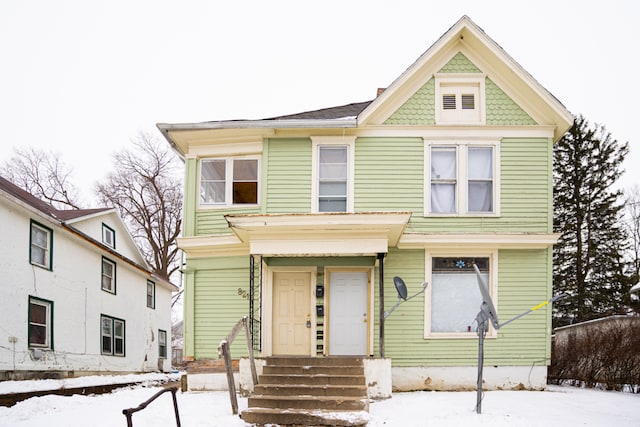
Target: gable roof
(64, 217)
(44, 207)
(467, 37)
(463, 37)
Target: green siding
(420, 108)
(218, 305)
(501, 110)
(389, 174)
(459, 64)
(289, 176)
(522, 282)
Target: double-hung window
(151, 294)
(112, 332)
(333, 166)
(462, 179)
(40, 323)
(108, 236)
(162, 343)
(40, 242)
(229, 181)
(108, 277)
(454, 298)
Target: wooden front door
(291, 313)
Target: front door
(348, 313)
(291, 313)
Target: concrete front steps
(310, 391)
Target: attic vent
(449, 102)
(468, 102)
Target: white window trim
(323, 141)
(461, 80)
(106, 230)
(47, 250)
(151, 285)
(113, 278)
(493, 291)
(228, 189)
(48, 305)
(160, 333)
(461, 195)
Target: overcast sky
(83, 77)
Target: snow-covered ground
(558, 406)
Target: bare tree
(44, 175)
(632, 222)
(146, 190)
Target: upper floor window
(40, 323)
(151, 294)
(40, 242)
(108, 236)
(227, 182)
(462, 179)
(460, 99)
(333, 174)
(112, 334)
(108, 276)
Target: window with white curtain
(455, 296)
(461, 179)
(332, 179)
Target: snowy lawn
(557, 406)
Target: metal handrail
(129, 412)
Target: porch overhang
(320, 234)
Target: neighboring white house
(78, 297)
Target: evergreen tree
(589, 264)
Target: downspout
(381, 297)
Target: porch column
(381, 297)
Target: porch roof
(319, 234)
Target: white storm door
(348, 313)
(291, 313)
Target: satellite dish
(487, 303)
(401, 287)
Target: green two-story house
(301, 222)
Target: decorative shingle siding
(460, 64)
(420, 109)
(389, 174)
(501, 110)
(288, 176)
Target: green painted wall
(288, 176)
(420, 108)
(389, 174)
(522, 284)
(218, 304)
